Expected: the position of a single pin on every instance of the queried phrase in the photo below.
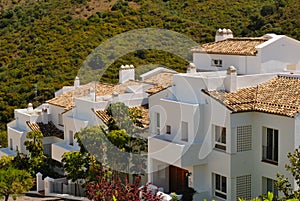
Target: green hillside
(43, 43)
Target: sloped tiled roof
(232, 46)
(66, 99)
(280, 95)
(160, 81)
(144, 120)
(46, 129)
(102, 115)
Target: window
(11, 143)
(220, 189)
(216, 62)
(269, 186)
(168, 129)
(157, 127)
(71, 138)
(220, 138)
(184, 131)
(60, 119)
(270, 145)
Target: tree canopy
(14, 182)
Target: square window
(217, 62)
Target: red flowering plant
(106, 185)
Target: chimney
(223, 34)
(92, 94)
(76, 82)
(30, 108)
(230, 81)
(45, 119)
(126, 73)
(191, 68)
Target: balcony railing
(270, 154)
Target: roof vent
(223, 34)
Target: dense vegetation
(43, 43)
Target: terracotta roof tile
(46, 129)
(144, 120)
(66, 100)
(160, 81)
(280, 95)
(232, 46)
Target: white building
(78, 106)
(254, 55)
(224, 135)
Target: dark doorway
(178, 179)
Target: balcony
(270, 154)
(180, 154)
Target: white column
(39, 182)
(48, 185)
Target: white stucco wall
(54, 111)
(278, 52)
(243, 64)
(250, 162)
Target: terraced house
(226, 134)
(76, 107)
(223, 128)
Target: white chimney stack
(126, 73)
(30, 108)
(223, 34)
(45, 118)
(92, 94)
(230, 81)
(191, 68)
(76, 82)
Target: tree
(14, 182)
(77, 165)
(34, 145)
(283, 183)
(3, 139)
(6, 161)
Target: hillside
(44, 42)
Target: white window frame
(274, 158)
(217, 63)
(269, 186)
(219, 190)
(220, 140)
